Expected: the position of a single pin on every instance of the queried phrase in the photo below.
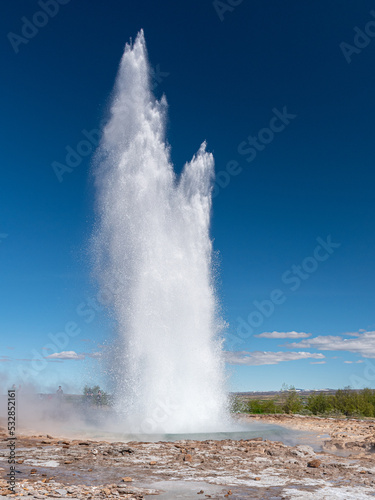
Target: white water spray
(152, 244)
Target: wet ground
(51, 467)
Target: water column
(152, 236)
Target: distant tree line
(345, 402)
(348, 402)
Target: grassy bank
(343, 402)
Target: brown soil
(349, 435)
(49, 467)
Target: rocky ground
(345, 435)
(49, 467)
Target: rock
(153, 462)
(188, 458)
(33, 471)
(303, 451)
(127, 479)
(256, 478)
(61, 491)
(68, 462)
(6, 492)
(125, 449)
(132, 490)
(200, 492)
(314, 463)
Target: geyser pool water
(153, 258)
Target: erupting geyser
(152, 244)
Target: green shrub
(319, 403)
(237, 405)
(291, 401)
(259, 407)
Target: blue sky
(283, 93)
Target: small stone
(126, 449)
(6, 492)
(153, 462)
(90, 470)
(33, 471)
(256, 478)
(188, 458)
(68, 462)
(49, 437)
(20, 461)
(200, 492)
(314, 463)
(61, 491)
(127, 479)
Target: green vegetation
(343, 402)
(91, 396)
(292, 402)
(257, 406)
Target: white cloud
(363, 343)
(317, 362)
(348, 362)
(73, 355)
(283, 335)
(266, 357)
(94, 354)
(66, 355)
